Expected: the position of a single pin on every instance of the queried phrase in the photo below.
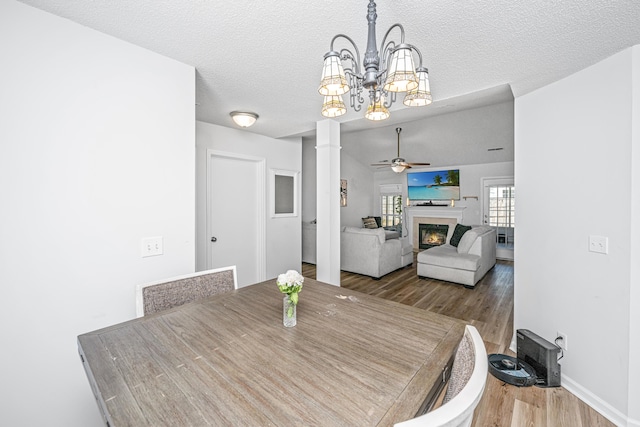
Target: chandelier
(383, 77)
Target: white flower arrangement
(290, 283)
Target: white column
(328, 202)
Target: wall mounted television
(434, 185)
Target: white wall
(490, 125)
(470, 185)
(360, 197)
(573, 167)
(634, 297)
(96, 151)
(309, 181)
(363, 186)
(283, 235)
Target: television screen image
(434, 185)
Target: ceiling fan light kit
(382, 77)
(398, 165)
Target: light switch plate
(599, 244)
(151, 246)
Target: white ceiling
(265, 56)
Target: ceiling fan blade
(399, 161)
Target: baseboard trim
(599, 405)
(606, 410)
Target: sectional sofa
(370, 252)
(466, 263)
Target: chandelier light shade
(243, 119)
(383, 73)
(420, 96)
(333, 106)
(402, 74)
(376, 110)
(333, 80)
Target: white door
(235, 215)
(499, 212)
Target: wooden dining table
(351, 360)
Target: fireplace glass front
(432, 235)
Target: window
(502, 206)
(391, 205)
(284, 185)
(391, 209)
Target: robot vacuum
(511, 370)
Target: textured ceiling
(266, 56)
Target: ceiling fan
(399, 164)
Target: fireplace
(417, 215)
(431, 235)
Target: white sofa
(467, 263)
(369, 252)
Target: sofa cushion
(448, 256)
(468, 239)
(407, 248)
(378, 232)
(481, 229)
(458, 233)
(369, 223)
(391, 234)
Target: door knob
(214, 239)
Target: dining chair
(465, 388)
(169, 293)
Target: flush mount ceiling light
(243, 119)
(382, 77)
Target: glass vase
(288, 312)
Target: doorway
(236, 214)
(499, 212)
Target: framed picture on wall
(343, 192)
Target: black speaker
(541, 355)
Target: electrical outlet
(561, 340)
(599, 244)
(151, 246)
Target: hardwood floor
(489, 307)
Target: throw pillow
(458, 233)
(378, 220)
(369, 223)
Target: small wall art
(343, 192)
